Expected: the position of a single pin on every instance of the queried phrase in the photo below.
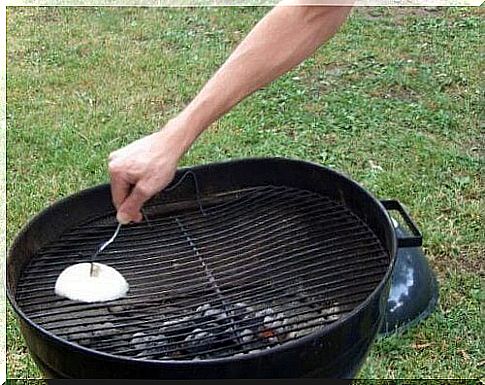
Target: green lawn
(394, 101)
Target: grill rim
(293, 344)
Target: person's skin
(282, 39)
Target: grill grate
(257, 268)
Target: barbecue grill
(250, 268)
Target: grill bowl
(332, 349)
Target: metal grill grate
(257, 268)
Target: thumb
(129, 210)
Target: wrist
(197, 115)
(177, 136)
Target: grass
(394, 100)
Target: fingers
(127, 193)
(130, 209)
(120, 187)
(137, 172)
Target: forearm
(282, 39)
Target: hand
(142, 169)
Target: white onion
(77, 284)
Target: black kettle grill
(254, 268)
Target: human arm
(282, 39)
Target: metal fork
(102, 247)
(109, 241)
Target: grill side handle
(414, 240)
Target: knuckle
(114, 168)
